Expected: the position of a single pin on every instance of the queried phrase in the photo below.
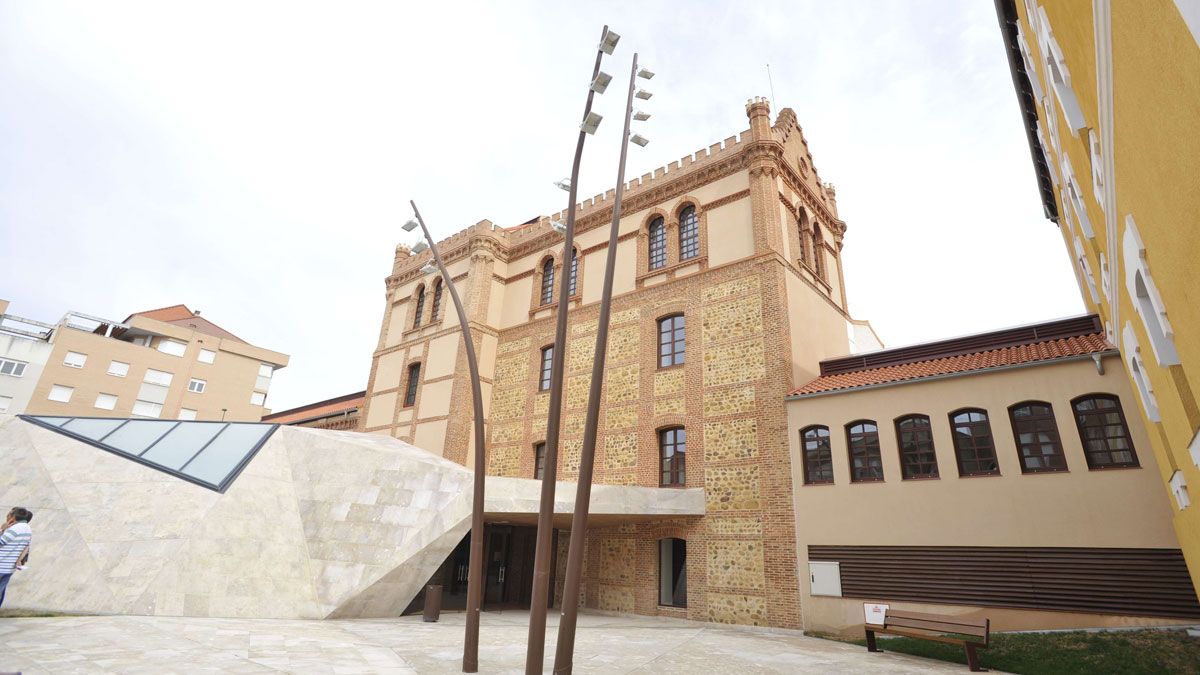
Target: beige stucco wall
(817, 328)
(1082, 508)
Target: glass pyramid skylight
(211, 454)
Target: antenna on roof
(772, 84)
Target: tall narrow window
(866, 463)
(437, 301)
(547, 365)
(571, 280)
(818, 246)
(539, 460)
(410, 389)
(974, 448)
(672, 572)
(917, 458)
(805, 239)
(420, 306)
(672, 341)
(672, 449)
(689, 234)
(818, 457)
(547, 281)
(658, 244)
(1102, 429)
(1037, 438)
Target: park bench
(971, 634)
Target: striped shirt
(12, 544)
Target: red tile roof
(1048, 350)
(180, 315)
(319, 409)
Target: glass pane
(56, 421)
(90, 428)
(178, 446)
(226, 451)
(136, 436)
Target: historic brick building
(728, 292)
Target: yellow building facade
(1110, 96)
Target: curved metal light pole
(565, 648)
(470, 663)
(536, 649)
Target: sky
(255, 160)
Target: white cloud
(254, 160)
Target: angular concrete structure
(317, 524)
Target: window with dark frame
(672, 341)
(805, 239)
(974, 448)
(1036, 433)
(539, 460)
(437, 301)
(547, 281)
(914, 435)
(818, 455)
(689, 233)
(547, 365)
(420, 308)
(410, 389)
(866, 461)
(1103, 432)
(672, 572)
(658, 244)
(571, 286)
(672, 450)
(818, 245)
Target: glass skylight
(211, 454)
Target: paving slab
(604, 644)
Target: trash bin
(433, 603)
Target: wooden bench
(928, 627)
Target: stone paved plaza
(606, 644)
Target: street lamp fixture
(639, 140)
(409, 226)
(601, 82)
(591, 123)
(609, 42)
(420, 247)
(429, 268)
(645, 73)
(558, 226)
(641, 116)
(643, 94)
(564, 184)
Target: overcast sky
(254, 160)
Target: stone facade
(760, 212)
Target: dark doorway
(508, 552)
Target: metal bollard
(433, 603)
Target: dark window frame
(1055, 441)
(1080, 425)
(573, 277)
(437, 301)
(672, 469)
(682, 572)
(547, 290)
(824, 471)
(862, 442)
(539, 459)
(675, 346)
(410, 386)
(546, 368)
(912, 448)
(420, 306)
(657, 230)
(976, 450)
(689, 233)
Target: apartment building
(167, 363)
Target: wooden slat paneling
(1125, 581)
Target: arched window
(539, 460)
(420, 307)
(866, 464)
(689, 234)
(917, 457)
(672, 341)
(672, 451)
(437, 301)
(1103, 432)
(547, 281)
(818, 457)
(547, 364)
(672, 572)
(974, 448)
(805, 237)
(658, 244)
(1037, 438)
(574, 274)
(410, 388)
(818, 252)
